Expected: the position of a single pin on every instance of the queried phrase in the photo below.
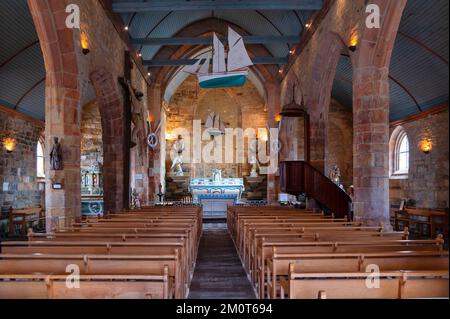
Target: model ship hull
(221, 80)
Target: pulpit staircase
(299, 177)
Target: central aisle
(219, 273)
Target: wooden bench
(98, 265)
(278, 266)
(119, 243)
(270, 250)
(270, 240)
(352, 285)
(35, 286)
(117, 249)
(251, 237)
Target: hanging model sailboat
(232, 73)
(214, 125)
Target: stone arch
(62, 109)
(318, 98)
(113, 117)
(371, 114)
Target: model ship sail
(214, 125)
(218, 56)
(237, 56)
(224, 75)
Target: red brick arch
(112, 115)
(62, 108)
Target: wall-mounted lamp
(84, 43)
(278, 118)
(426, 145)
(9, 143)
(353, 42)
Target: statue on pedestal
(254, 163)
(335, 175)
(178, 160)
(135, 200)
(217, 175)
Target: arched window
(399, 154)
(40, 168)
(402, 153)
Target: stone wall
(91, 135)
(428, 177)
(240, 107)
(91, 149)
(18, 182)
(339, 142)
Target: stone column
(63, 206)
(62, 111)
(155, 103)
(371, 115)
(273, 108)
(371, 145)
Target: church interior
(240, 149)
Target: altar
(216, 195)
(224, 186)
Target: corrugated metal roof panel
(25, 65)
(33, 104)
(16, 28)
(21, 74)
(427, 21)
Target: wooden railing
(299, 177)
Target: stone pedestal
(177, 187)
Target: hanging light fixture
(293, 109)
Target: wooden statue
(56, 163)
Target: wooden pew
(140, 232)
(279, 266)
(251, 238)
(98, 248)
(36, 286)
(268, 249)
(352, 285)
(247, 224)
(98, 265)
(268, 240)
